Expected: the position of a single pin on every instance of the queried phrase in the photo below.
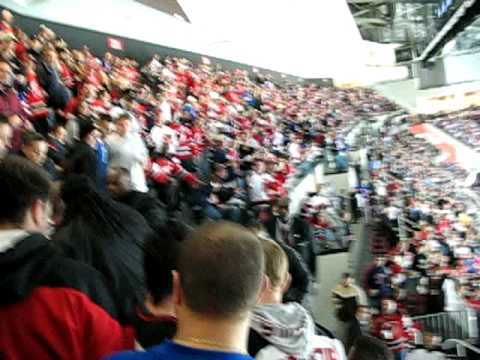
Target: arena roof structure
(423, 26)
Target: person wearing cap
(83, 158)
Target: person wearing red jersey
(389, 327)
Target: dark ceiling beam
(451, 29)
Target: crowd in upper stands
(108, 168)
(463, 125)
(425, 240)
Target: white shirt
(166, 111)
(322, 348)
(129, 152)
(159, 135)
(257, 185)
(453, 301)
(294, 151)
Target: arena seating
(143, 153)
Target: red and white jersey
(322, 348)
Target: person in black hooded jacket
(50, 306)
(121, 189)
(107, 235)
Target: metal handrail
(461, 346)
(452, 324)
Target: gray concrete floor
(330, 268)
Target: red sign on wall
(115, 44)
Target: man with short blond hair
(280, 331)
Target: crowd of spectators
(107, 165)
(428, 221)
(463, 125)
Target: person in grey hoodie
(285, 331)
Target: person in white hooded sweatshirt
(285, 331)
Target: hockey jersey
(288, 333)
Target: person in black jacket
(48, 76)
(83, 158)
(107, 235)
(121, 189)
(294, 231)
(35, 149)
(50, 306)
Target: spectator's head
(25, 191)
(160, 259)
(432, 341)
(347, 279)
(220, 171)
(6, 75)
(389, 306)
(369, 348)
(7, 16)
(277, 277)
(220, 272)
(60, 133)
(281, 208)
(88, 132)
(35, 147)
(49, 56)
(106, 126)
(124, 125)
(119, 181)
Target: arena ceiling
(423, 25)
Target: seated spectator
(57, 145)
(51, 306)
(369, 348)
(121, 189)
(108, 236)
(212, 298)
(284, 330)
(9, 103)
(35, 149)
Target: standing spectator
(50, 306)
(83, 160)
(57, 145)
(212, 298)
(347, 295)
(279, 330)
(108, 236)
(127, 150)
(49, 77)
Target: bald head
(221, 268)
